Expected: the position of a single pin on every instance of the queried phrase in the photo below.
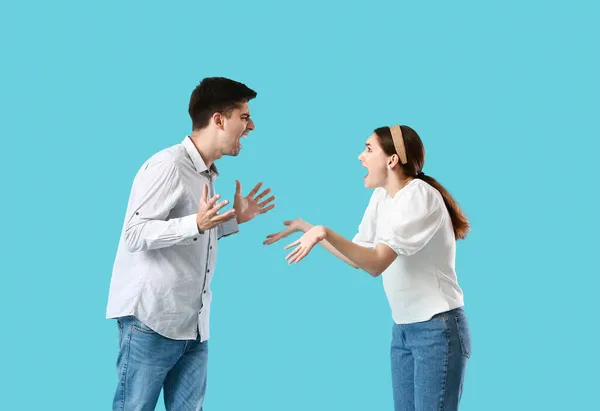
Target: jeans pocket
(140, 326)
(120, 330)
(464, 335)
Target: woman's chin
(371, 183)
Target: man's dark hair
(216, 95)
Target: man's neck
(204, 143)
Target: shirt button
(136, 213)
(195, 238)
(211, 247)
(204, 291)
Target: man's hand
(207, 216)
(293, 226)
(246, 208)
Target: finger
(254, 190)
(238, 187)
(282, 233)
(306, 251)
(219, 218)
(271, 240)
(292, 254)
(270, 237)
(300, 255)
(261, 195)
(287, 222)
(264, 210)
(213, 200)
(292, 244)
(297, 257)
(213, 211)
(267, 201)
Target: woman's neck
(397, 183)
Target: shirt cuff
(189, 227)
(228, 228)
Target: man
(160, 287)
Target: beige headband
(399, 143)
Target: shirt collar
(197, 160)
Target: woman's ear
(392, 161)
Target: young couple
(160, 288)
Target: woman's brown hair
(415, 156)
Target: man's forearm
(155, 234)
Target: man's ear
(219, 120)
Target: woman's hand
(292, 227)
(305, 243)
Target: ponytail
(460, 223)
(412, 153)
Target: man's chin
(233, 152)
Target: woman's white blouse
(415, 223)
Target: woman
(408, 235)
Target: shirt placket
(211, 193)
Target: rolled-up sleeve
(227, 228)
(156, 191)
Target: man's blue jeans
(148, 362)
(429, 361)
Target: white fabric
(164, 266)
(415, 223)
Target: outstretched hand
(208, 216)
(292, 226)
(248, 207)
(305, 243)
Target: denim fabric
(148, 362)
(428, 362)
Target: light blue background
(503, 95)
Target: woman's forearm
(373, 261)
(326, 245)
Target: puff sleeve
(367, 228)
(417, 213)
